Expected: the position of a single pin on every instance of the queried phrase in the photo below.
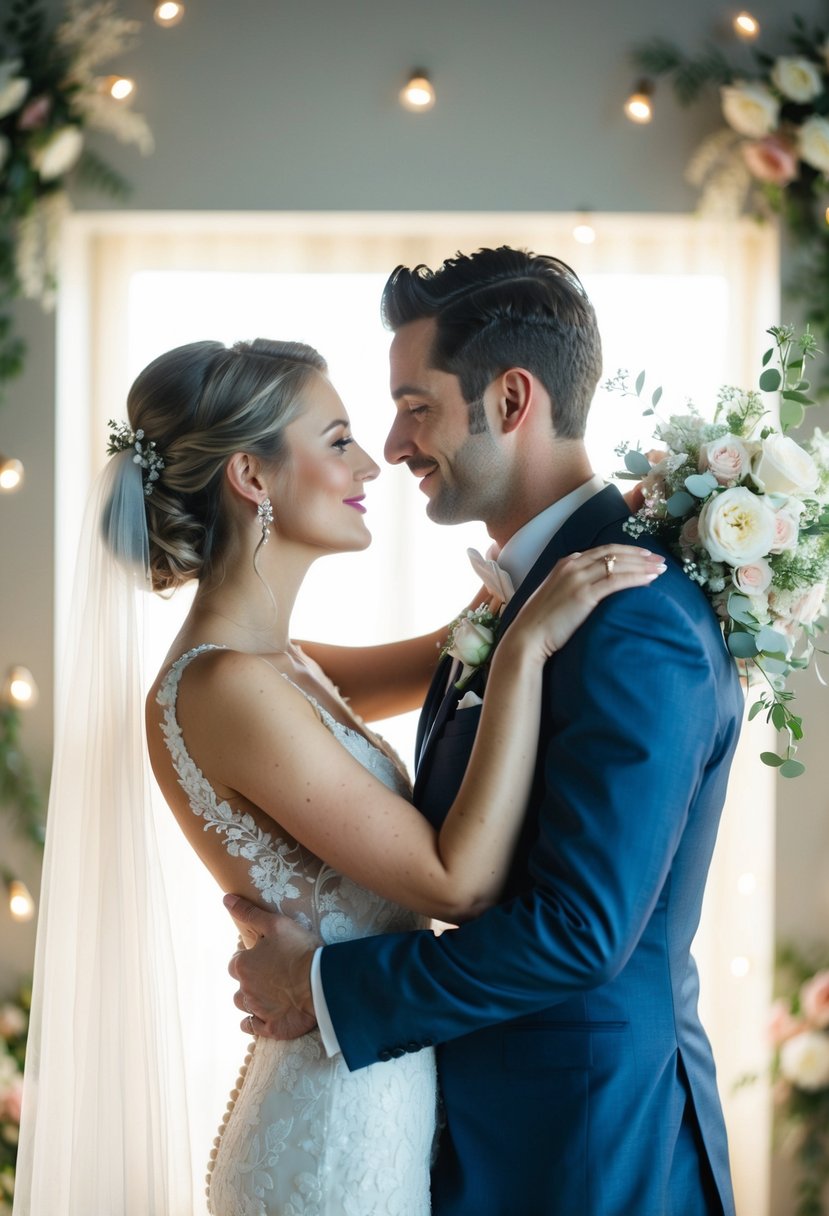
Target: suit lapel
(576, 534)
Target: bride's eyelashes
(342, 444)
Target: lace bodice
(303, 1136)
(286, 875)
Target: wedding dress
(302, 1135)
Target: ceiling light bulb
(740, 966)
(168, 12)
(11, 474)
(747, 883)
(419, 93)
(746, 26)
(20, 688)
(584, 232)
(21, 904)
(639, 107)
(118, 87)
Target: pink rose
(814, 999)
(807, 606)
(35, 114)
(727, 458)
(11, 1100)
(786, 530)
(753, 578)
(771, 159)
(783, 1024)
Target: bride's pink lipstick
(356, 503)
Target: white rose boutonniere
(471, 640)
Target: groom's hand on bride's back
(274, 974)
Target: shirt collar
(524, 548)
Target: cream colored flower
(13, 1021)
(13, 89)
(813, 143)
(471, 643)
(736, 527)
(804, 1060)
(797, 78)
(751, 109)
(59, 154)
(784, 467)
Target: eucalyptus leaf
(775, 667)
(791, 394)
(768, 355)
(772, 759)
(640, 383)
(778, 716)
(701, 484)
(638, 463)
(756, 708)
(770, 380)
(770, 641)
(739, 609)
(679, 504)
(656, 396)
(791, 414)
(742, 645)
(792, 768)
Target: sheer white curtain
(684, 299)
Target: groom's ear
(515, 390)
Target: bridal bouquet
(745, 509)
(799, 1032)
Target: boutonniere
(472, 638)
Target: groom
(576, 1077)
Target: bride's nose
(366, 469)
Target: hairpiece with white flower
(123, 439)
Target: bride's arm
(382, 681)
(267, 744)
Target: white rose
(797, 78)
(804, 1060)
(13, 92)
(58, 155)
(813, 143)
(736, 527)
(751, 109)
(726, 458)
(754, 578)
(784, 467)
(471, 643)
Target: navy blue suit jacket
(573, 1066)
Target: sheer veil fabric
(104, 1128)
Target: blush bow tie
(494, 577)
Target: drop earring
(264, 513)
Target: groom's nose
(399, 444)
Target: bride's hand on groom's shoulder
(273, 972)
(572, 590)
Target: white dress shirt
(517, 557)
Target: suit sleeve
(629, 728)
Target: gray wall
(292, 105)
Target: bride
(238, 469)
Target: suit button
(412, 1047)
(428, 1043)
(384, 1054)
(397, 1052)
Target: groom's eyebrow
(409, 390)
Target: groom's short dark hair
(502, 308)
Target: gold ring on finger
(609, 564)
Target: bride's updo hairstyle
(200, 403)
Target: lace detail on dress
(303, 1136)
